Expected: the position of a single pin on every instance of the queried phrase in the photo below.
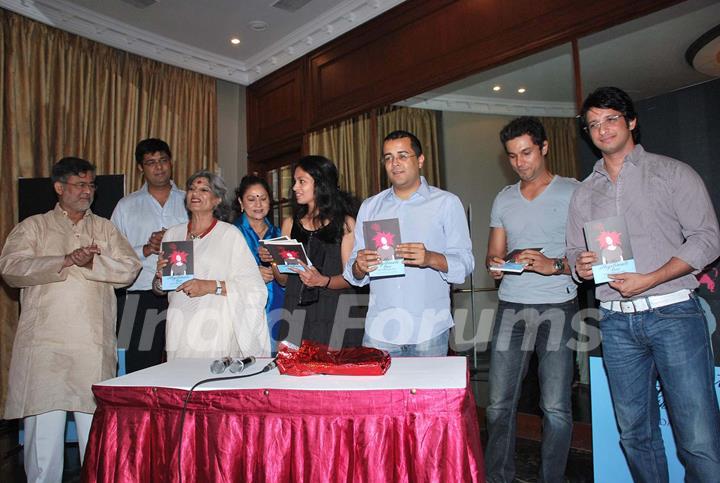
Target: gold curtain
(423, 124)
(64, 95)
(562, 145)
(355, 145)
(348, 145)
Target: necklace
(261, 232)
(193, 236)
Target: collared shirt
(413, 308)
(667, 210)
(138, 215)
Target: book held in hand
(511, 264)
(180, 263)
(609, 239)
(383, 236)
(287, 254)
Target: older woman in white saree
(221, 311)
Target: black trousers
(141, 328)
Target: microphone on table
(273, 363)
(218, 366)
(238, 365)
(270, 366)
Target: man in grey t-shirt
(536, 306)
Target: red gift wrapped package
(312, 358)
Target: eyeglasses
(610, 121)
(82, 186)
(389, 158)
(151, 163)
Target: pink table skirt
(245, 435)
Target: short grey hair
(217, 185)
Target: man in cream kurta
(66, 263)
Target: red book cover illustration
(383, 236)
(610, 240)
(180, 267)
(287, 254)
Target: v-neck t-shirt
(536, 223)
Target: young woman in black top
(323, 221)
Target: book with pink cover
(287, 254)
(383, 236)
(180, 267)
(610, 240)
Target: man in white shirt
(142, 217)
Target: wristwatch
(218, 287)
(558, 266)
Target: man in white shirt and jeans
(142, 217)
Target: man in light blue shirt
(142, 217)
(410, 315)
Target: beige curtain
(348, 144)
(64, 95)
(562, 141)
(355, 145)
(423, 124)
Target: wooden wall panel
(275, 107)
(275, 155)
(376, 65)
(417, 46)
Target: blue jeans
(671, 343)
(520, 330)
(435, 347)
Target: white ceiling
(195, 34)
(645, 57)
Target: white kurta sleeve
(117, 263)
(247, 295)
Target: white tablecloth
(404, 373)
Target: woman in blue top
(252, 205)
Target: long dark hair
(332, 204)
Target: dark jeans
(141, 328)
(671, 343)
(520, 330)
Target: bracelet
(157, 284)
(328, 282)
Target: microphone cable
(269, 367)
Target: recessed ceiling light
(521, 90)
(234, 40)
(497, 88)
(258, 25)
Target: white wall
(232, 132)
(476, 169)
